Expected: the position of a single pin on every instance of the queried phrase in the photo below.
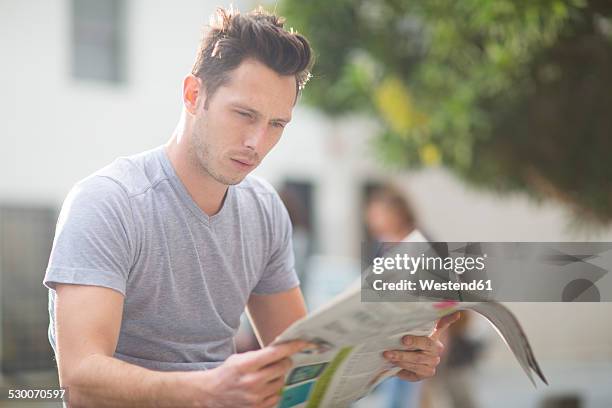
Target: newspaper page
(352, 335)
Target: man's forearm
(102, 381)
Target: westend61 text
(429, 285)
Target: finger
(421, 343)
(275, 370)
(273, 387)
(271, 354)
(261, 390)
(413, 357)
(408, 376)
(270, 401)
(421, 371)
(445, 322)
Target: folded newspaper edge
(352, 335)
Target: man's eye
(244, 114)
(278, 125)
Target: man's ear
(192, 93)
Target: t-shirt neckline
(184, 195)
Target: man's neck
(207, 192)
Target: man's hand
(421, 354)
(252, 379)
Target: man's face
(242, 121)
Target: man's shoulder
(259, 193)
(133, 175)
(257, 186)
(96, 194)
(118, 182)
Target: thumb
(445, 322)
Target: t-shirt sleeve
(93, 242)
(279, 274)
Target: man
(157, 255)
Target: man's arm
(272, 314)
(88, 319)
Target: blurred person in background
(156, 256)
(389, 216)
(389, 219)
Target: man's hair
(232, 37)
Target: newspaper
(352, 335)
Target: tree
(510, 95)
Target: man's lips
(244, 162)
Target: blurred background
(493, 119)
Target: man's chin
(231, 180)
(234, 182)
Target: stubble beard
(202, 156)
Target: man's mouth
(242, 163)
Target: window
(298, 199)
(98, 40)
(26, 236)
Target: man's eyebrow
(256, 113)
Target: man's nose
(255, 136)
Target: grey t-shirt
(185, 276)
